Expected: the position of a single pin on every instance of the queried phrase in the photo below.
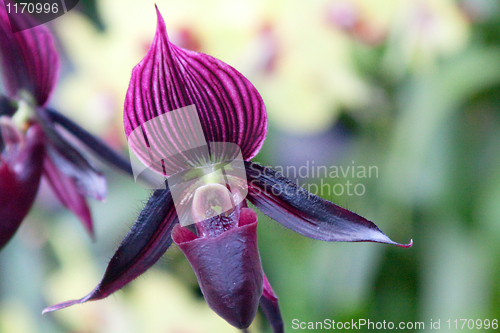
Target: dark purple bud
(28, 59)
(228, 267)
(21, 165)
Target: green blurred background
(409, 86)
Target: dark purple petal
(228, 268)
(7, 106)
(305, 213)
(28, 59)
(169, 77)
(66, 191)
(270, 307)
(148, 240)
(20, 172)
(70, 161)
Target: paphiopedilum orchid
(222, 245)
(31, 145)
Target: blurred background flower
(409, 86)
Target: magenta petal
(169, 77)
(66, 191)
(20, 172)
(89, 181)
(228, 270)
(270, 307)
(29, 59)
(309, 215)
(148, 240)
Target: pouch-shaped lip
(228, 268)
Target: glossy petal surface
(305, 213)
(20, 172)
(169, 78)
(29, 59)
(228, 268)
(148, 240)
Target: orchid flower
(31, 145)
(221, 247)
